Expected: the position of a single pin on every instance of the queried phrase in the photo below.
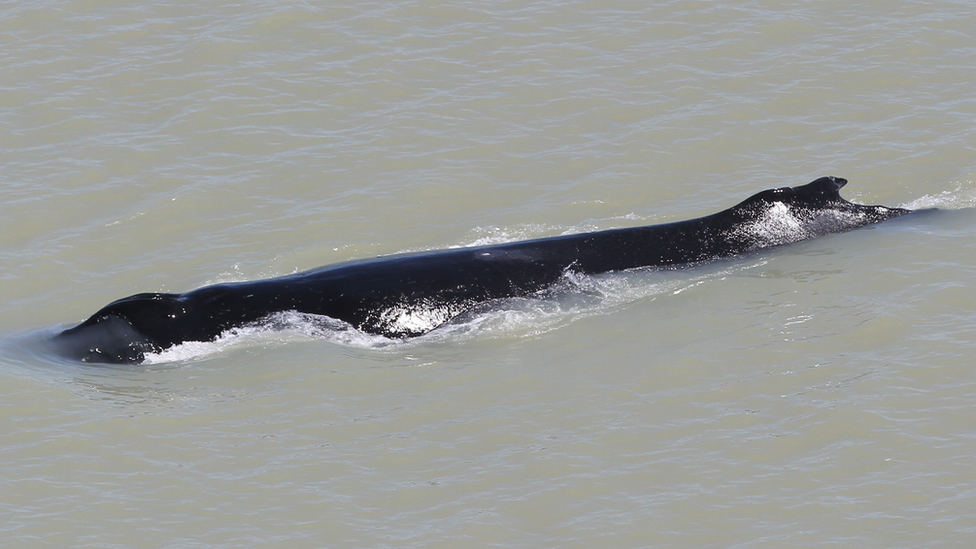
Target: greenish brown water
(819, 395)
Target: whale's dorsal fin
(818, 192)
(825, 187)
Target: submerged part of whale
(410, 294)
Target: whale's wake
(963, 196)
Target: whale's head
(124, 331)
(790, 214)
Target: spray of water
(963, 196)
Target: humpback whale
(405, 295)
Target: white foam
(963, 196)
(487, 236)
(273, 331)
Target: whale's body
(410, 294)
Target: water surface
(818, 395)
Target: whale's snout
(111, 340)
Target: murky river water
(818, 395)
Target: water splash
(963, 196)
(487, 236)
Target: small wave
(963, 196)
(275, 330)
(487, 236)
